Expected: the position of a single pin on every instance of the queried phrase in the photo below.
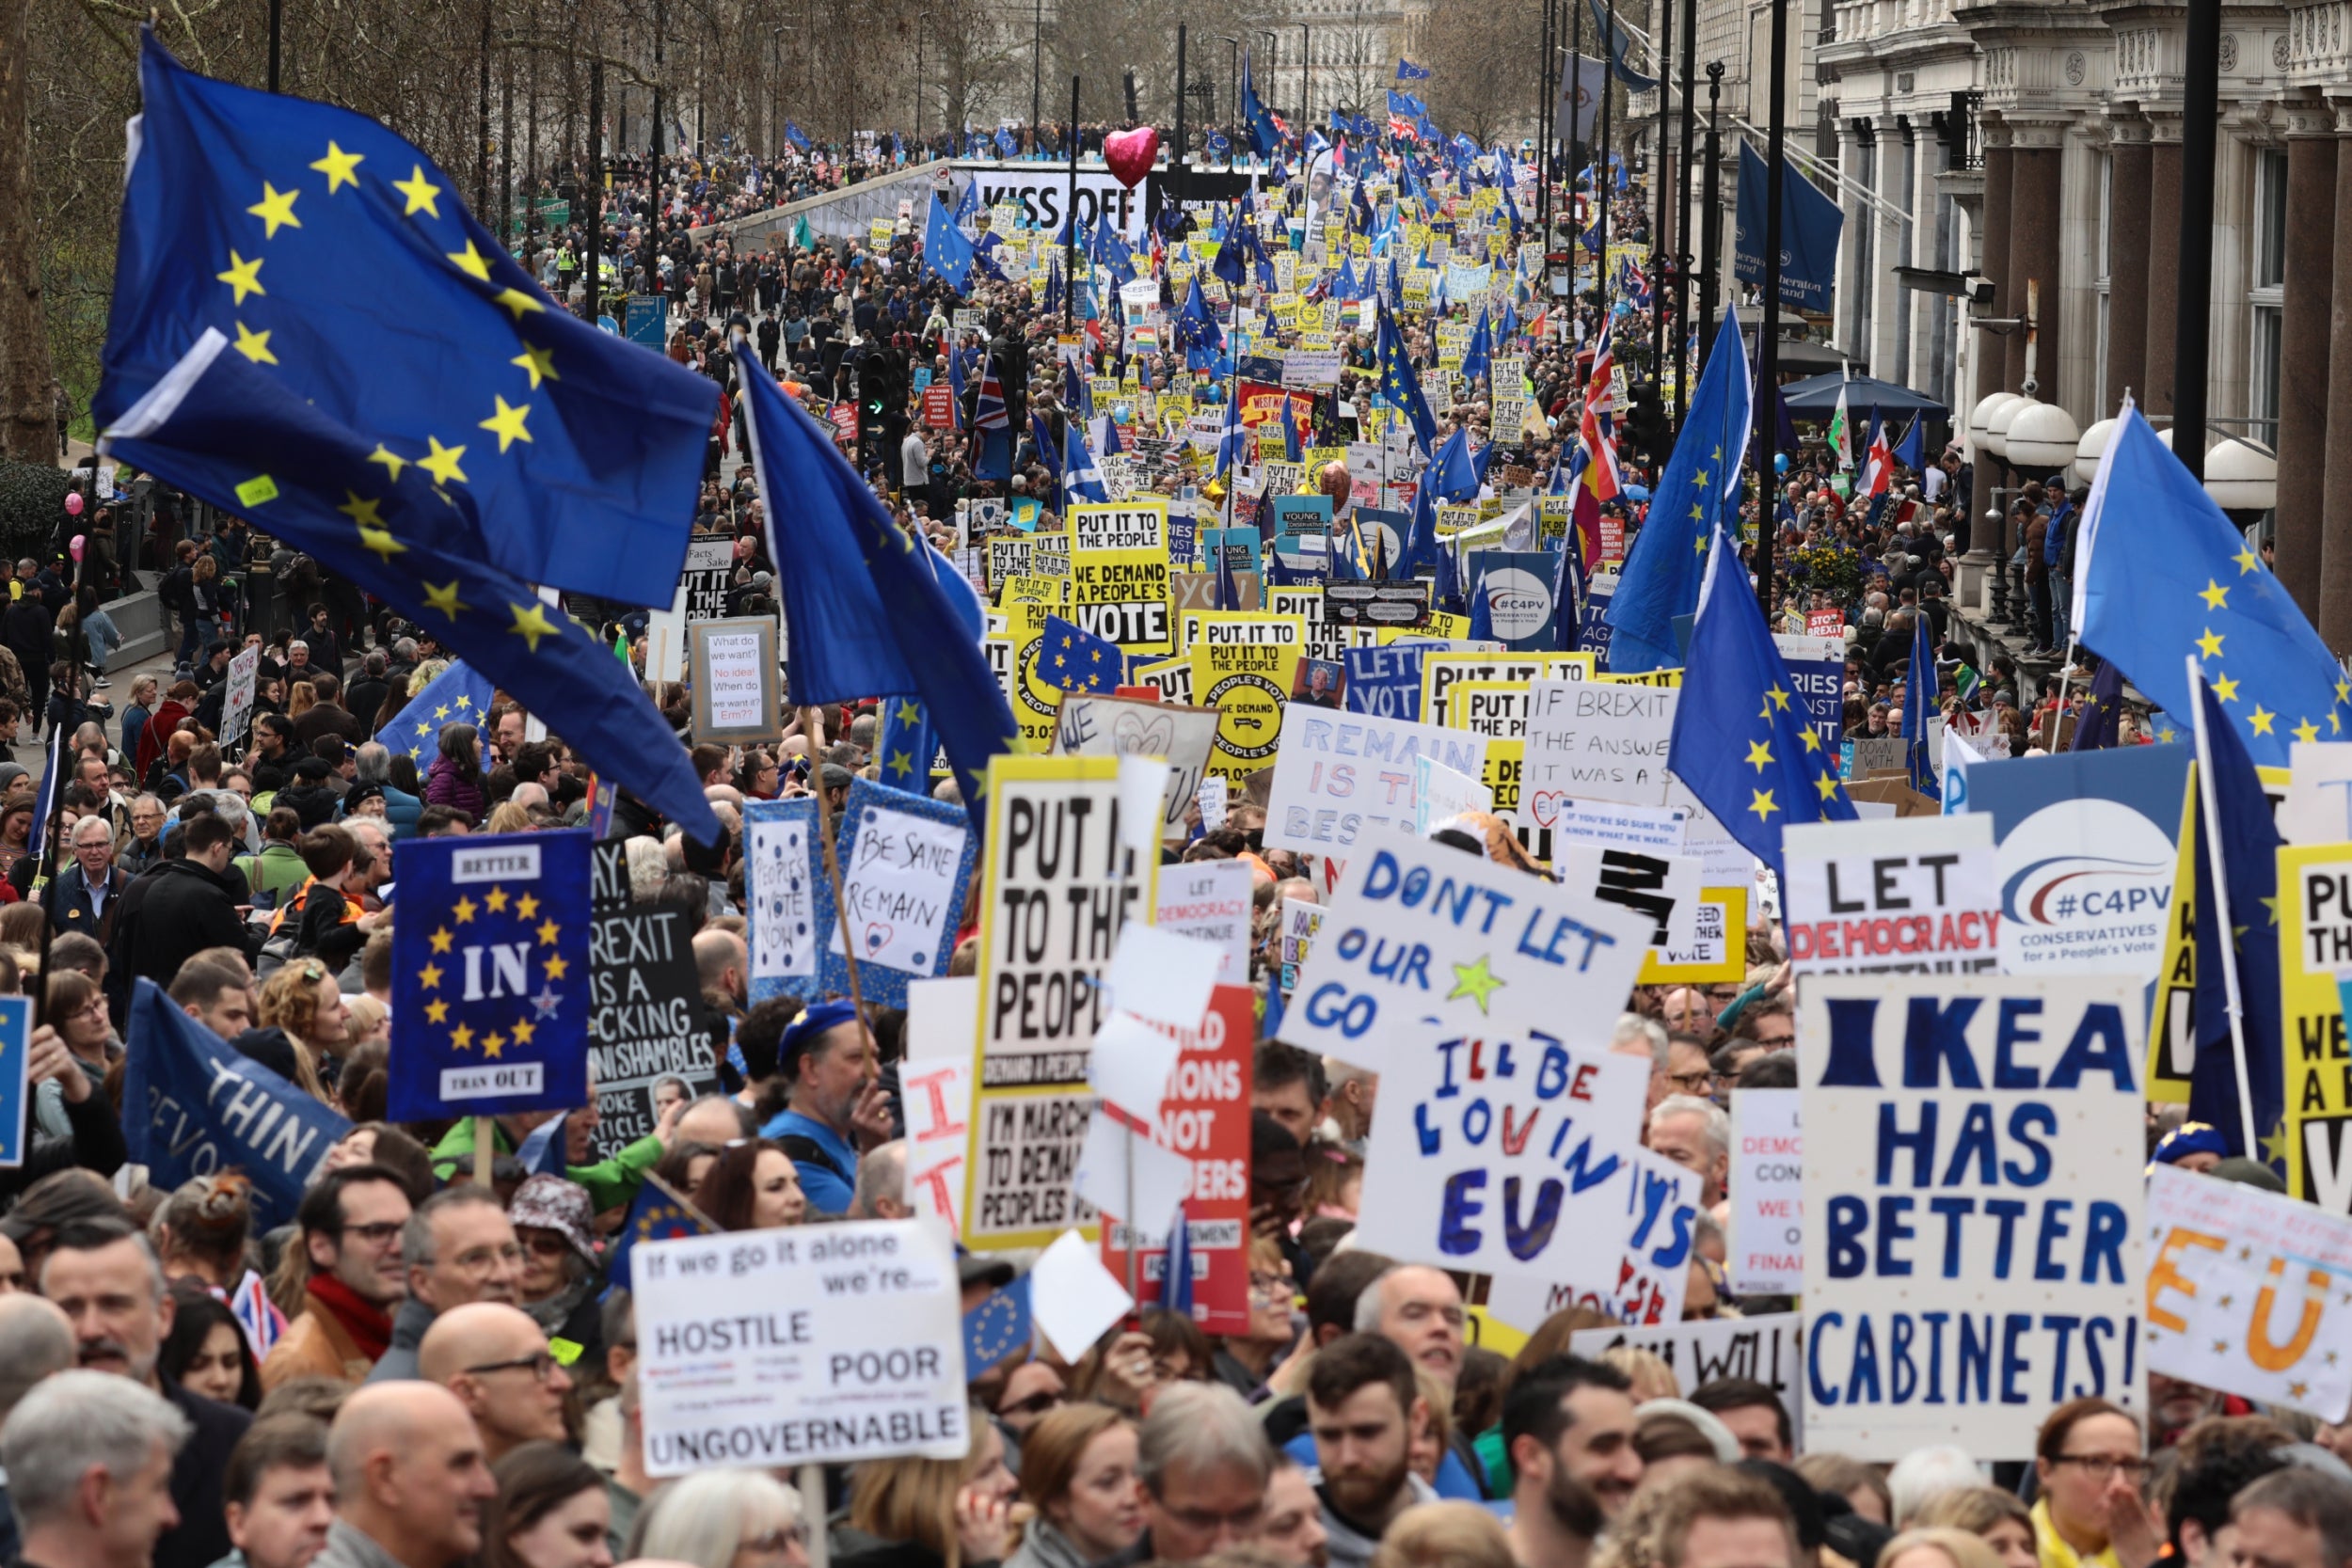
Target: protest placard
(1497, 709)
(1594, 740)
(1377, 604)
(1204, 1118)
(2314, 954)
(16, 1089)
(1325, 639)
(2247, 1292)
(236, 708)
(1816, 671)
(1641, 1278)
(1422, 932)
(1767, 1240)
(1717, 953)
(1035, 703)
(1660, 886)
(776, 1348)
(1098, 726)
(1337, 773)
(737, 696)
(935, 1088)
(709, 564)
(490, 937)
(1211, 901)
(1441, 667)
(1916, 895)
(789, 899)
(1442, 794)
(1518, 586)
(1997, 1149)
(647, 1026)
(1055, 892)
(1768, 1349)
(1243, 666)
(1118, 573)
(1302, 921)
(906, 865)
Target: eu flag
(1744, 741)
(1075, 660)
(1399, 385)
(1451, 475)
(2249, 853)
(338, 263)
(1407, 72)
(458, 695)
(997, 1327)
(1662, 575)
(946, 251)
(870, 610)
(909, 744)
(1477, 359)
(2178, 579)
(656, 1215)
(2099, 722)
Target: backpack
(178, 590)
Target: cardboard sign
(1769, 1349)
(789, 899)
(1211, 901)
(776, 1348)
(1205, 1118)
(1916, 897)
(709, 562)
(2247, 1292)
(1054, 893)
(236, 708)
(1339, 772)
(646, 1030)
(1377, 604)
(493, 939)
(906, 865)
(1421, 932)
(1118, 572)
(1594, 740)
(1098, 726)
(1767, 1255)
(1384, 681)
(1640, 1280)
(737, 692)
(1974, 1244)
(1244, 666)
(2315, 952)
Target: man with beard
(1567, 1425)
(838, 1108)
(1363, 1406)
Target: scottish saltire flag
(369, 314)
(1232, 440)
(2176, 579)
(2240, 974)
(870, 609)
(1081, 480)
(946, 251)
(1744, 742)
(1568, 588)
(458, 695)
(1075, 659)
(1664, 570)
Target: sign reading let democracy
(492, 943)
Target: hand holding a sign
(869, 1119)
(48, 1059)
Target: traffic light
(1645, 425)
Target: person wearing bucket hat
(837, 1108)
(561, 1268)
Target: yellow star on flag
(539, 362)
(2210, 644)
(254, 345)
(492, 1043)
(1762, 805)
(442, 712)
(430, 976)
(274, 210)
(507, 423)
(2307, 731)
(901, 764)
(556, 967)
(442, 462)
(1812, 738)
(532, 623)
(441, 939)
(519, 302)
(383, 543)
(2260, 719)
(1779, 697)
(392, 462)
(461, 1038)
(1826, 787)
(423, 194)
(2225, 689)
(526, 907)
(242, 275)
(2215, 596)
(444, 598)
(2245, 562)
(338, 167)
(1476, 981)
(469, 261)
(909, 713)
(464, 910)
(1759, 755)
(523, 1030)
(360, 511)
(436, 1012)
(548, 931)
(495, 900)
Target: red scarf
(369, 1325)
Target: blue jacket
(830, 1183)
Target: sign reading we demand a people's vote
(1973, 1232)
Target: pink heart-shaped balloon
(1129, 153)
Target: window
(2266, 298)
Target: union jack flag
(1596, 429)
(989, 412)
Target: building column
(2127, 242)
(2335, 576)
(2034, 217)
(1889, 158)
(2305, 329)
(1853, 281)
(1988, 533)
(2164, 261)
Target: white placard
(1073, 1296)
(779, 883)
(236, 708)
(821, 1345)
(1595, 740)
(1609, 826)
(1213, 797)
(1973, 1245)
(1440, 793)
(937, 1094)
(1211, 901)
(1162, 976)
(1113, 1153)
(1770, 1348)
(1337, 774)
(737, 680)
(2318, 806)
(1644, 1279)
(1915, 894)
(899, 890)
(1767, 1241)
(1091, 725)
(1664, 888)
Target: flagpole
(813, 728)
(2211, 814)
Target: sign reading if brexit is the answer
(770, 1348)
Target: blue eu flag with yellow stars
(1400, 387)
(2249, 853)
(2178, 579)
(997, 1327)
(491, 957)
(458, 695)
(1742, 740)
(657, 1213)
(1075, 660)
(908, 745)
(322, 360)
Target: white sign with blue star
(906, 865)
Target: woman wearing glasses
(1243, 1361)
(562, 1276)
(78, 1008)
(725, 1519)
(2089, 1468)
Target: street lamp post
(1306, 88)
(920, 17)
(1233, 84)
(1036, 67)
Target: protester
(550, 1512)
(1078, 1473)
(457, 1246)
(411, 1484)
(496, 1360)
(721, 1519)
(280, 1496)
(89, 1461)
(351, 1225)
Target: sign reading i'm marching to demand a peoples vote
(1421, 932)
(493, 938)
(771, 1348)
(1973, 1235)
(1056, 890)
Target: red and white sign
(1825, 622)
(939, 407)
(1205, 1118)
(1915, 894)
(1611, 541)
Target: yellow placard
(2172, 1021)
(1118, 572)
(1036, 704)
(2314, 940)
(1171, 677)
(1244, 665)
(1496, 709)
(1721, 954)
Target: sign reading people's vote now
(1419, 931)
(493, 947)
(790, 900)
(1973, 1239)
(1339, 773)
(906, 864)
(822, 1345)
